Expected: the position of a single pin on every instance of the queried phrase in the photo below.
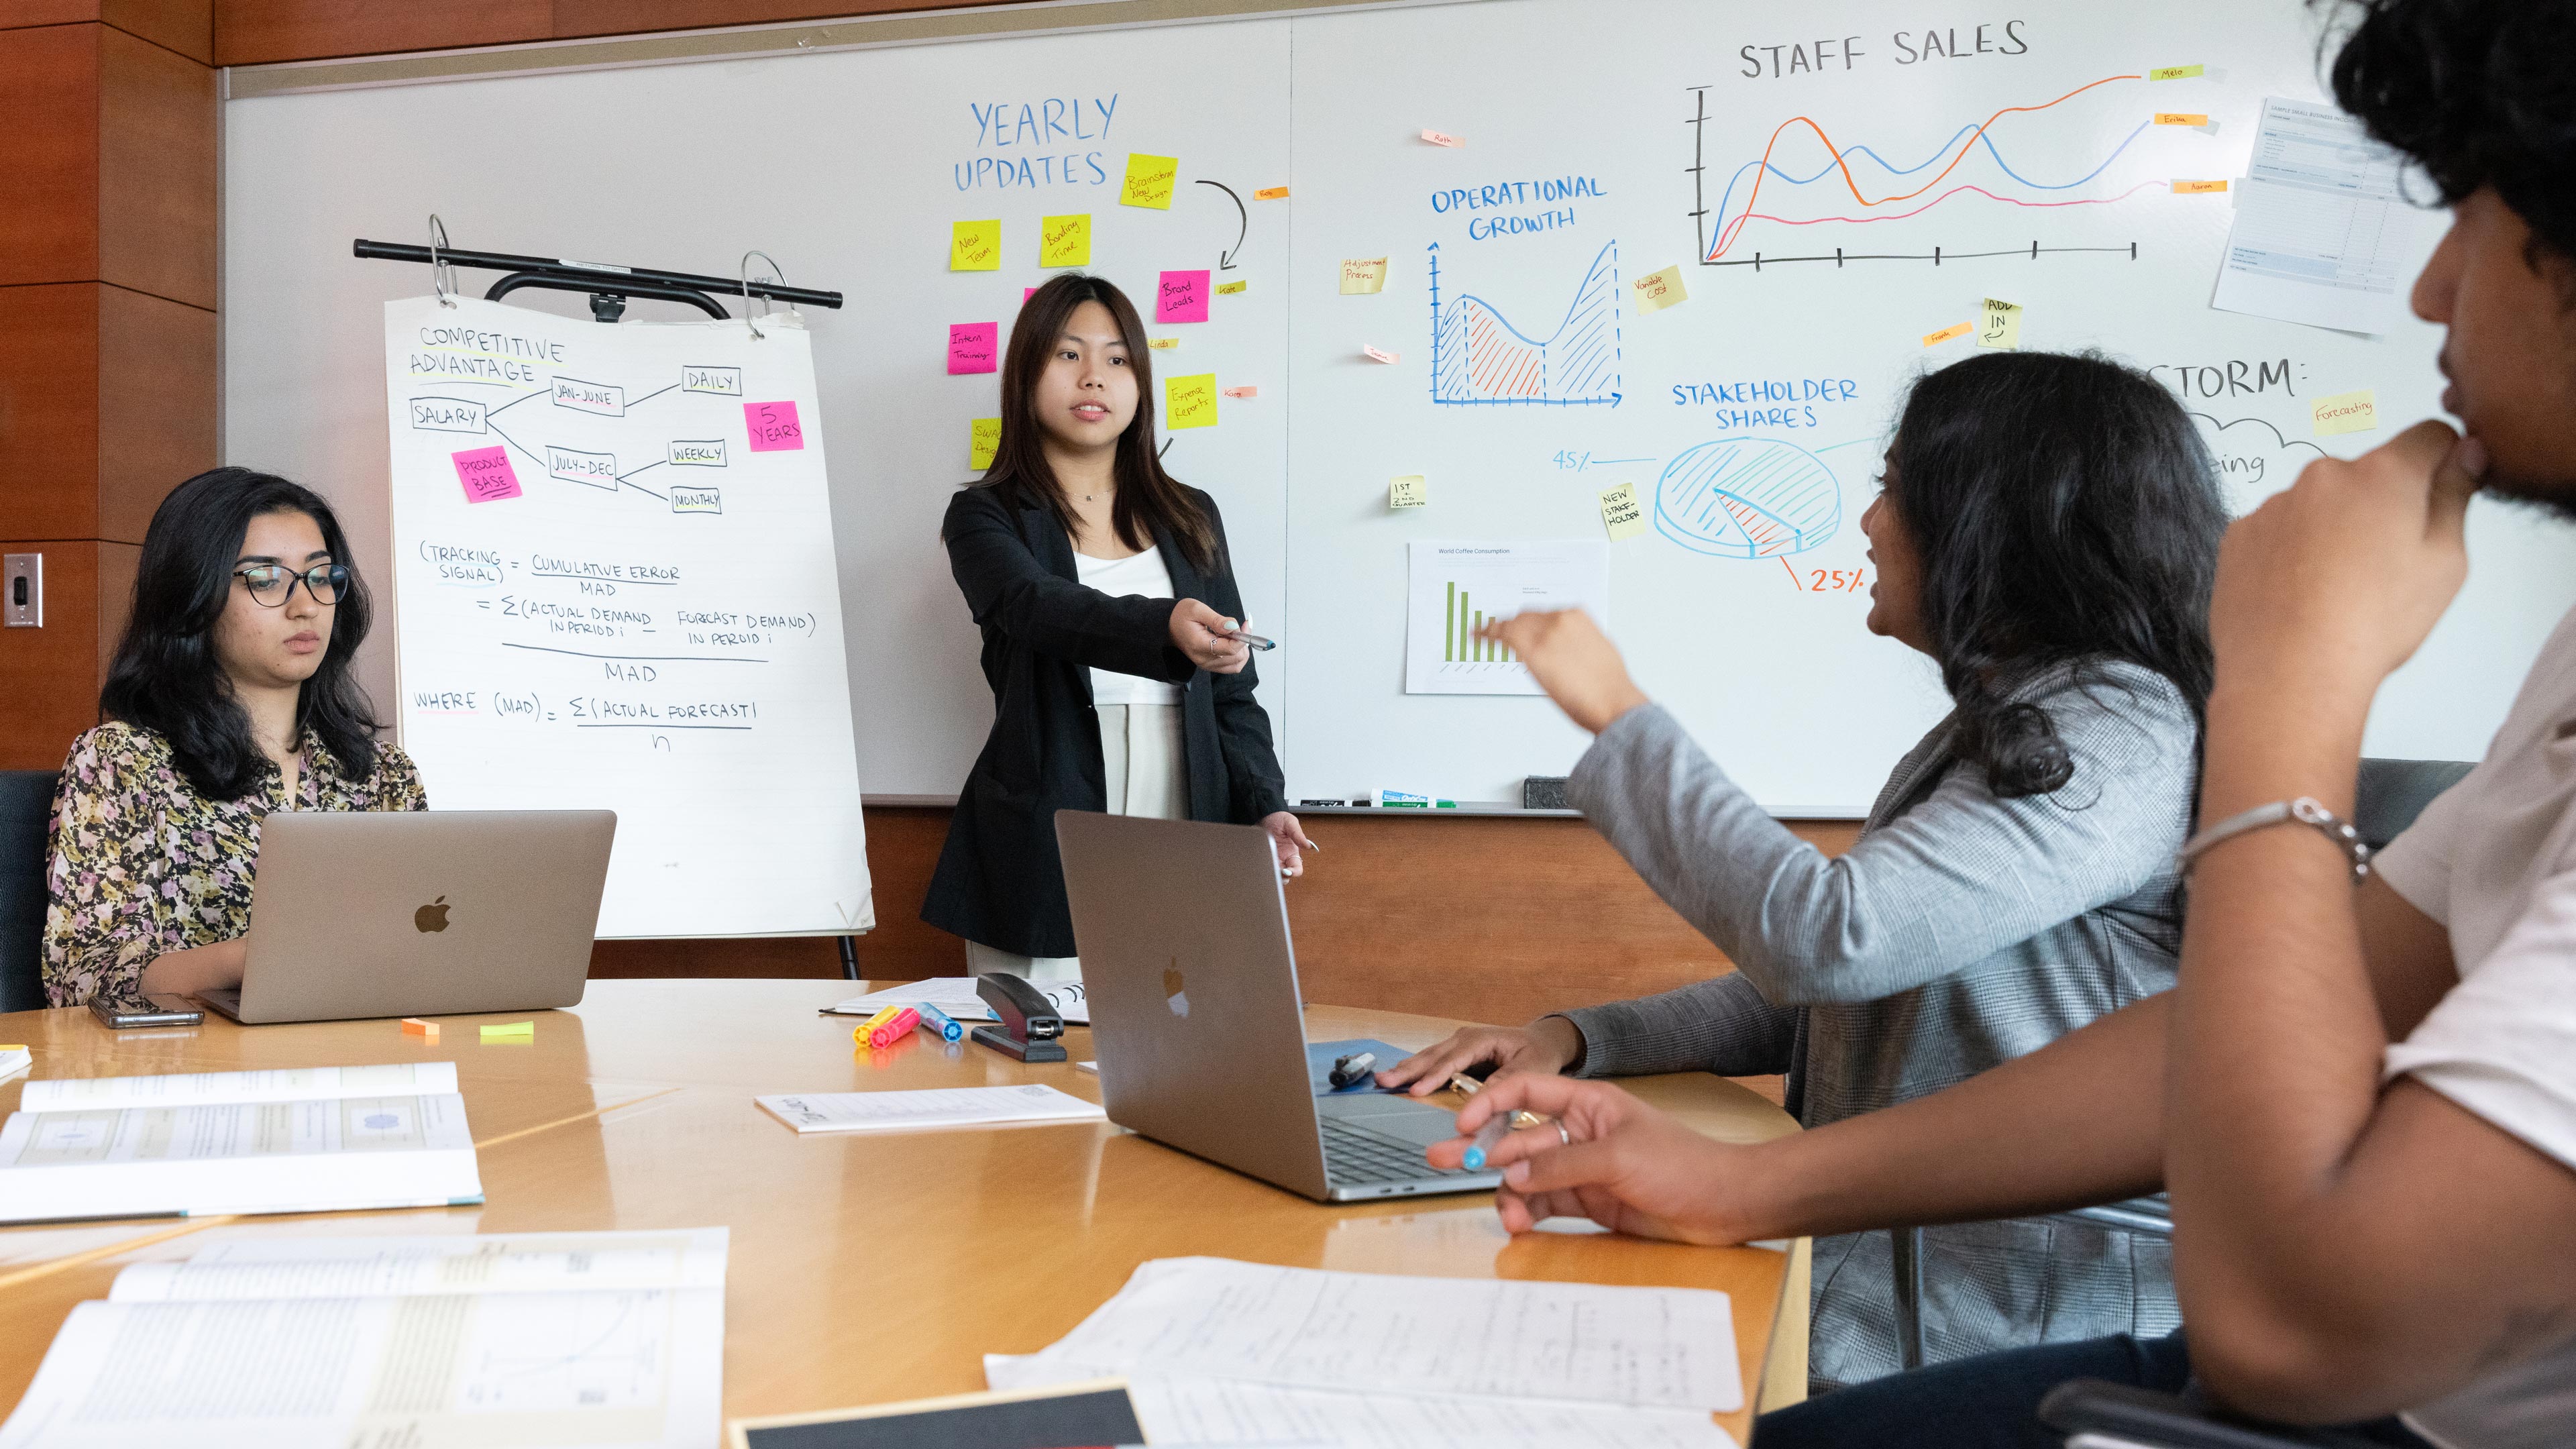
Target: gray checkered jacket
(1962, 930)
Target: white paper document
(576, 1363)
(1233, 1411)
(1670, 1348)
(1456, 587)
(2324, 234)
(238, 1142)
(941, 1107)
(956, 996)
(454, 1263)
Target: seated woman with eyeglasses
(230, 697)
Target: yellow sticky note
(2196, 188)
(511, 1030)
(1271, 193)
(1163, 344)
(1362, 278)
(1228, 289)
(1999, 325)
(1064, 241)
(1934, 339)
(1658, 290)
(2181, 118)
(2347, 412)
(2174, 72)
(1621, 513)
(1409, 491)
(975, 246)
(983, 440)
(1150, 180)
(1190, 402)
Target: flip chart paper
(774, 427)
(2347, 412)
(1999, 325)
(1149, 181)
(1228, 289)
(983, 440)
(486, 474)
(1409, 491)
(975, 246)
(1962, 329)
(974, 346)
(1620, 512)
(1271, 193)
(1181, 297)
(1064, 241)
(1190, 402)
(1362, 278)
(1658, 290)
(2175, 72)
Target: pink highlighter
(895, 1030)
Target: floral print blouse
(142, 864)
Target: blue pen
(1497, 1128)
(936, 1022)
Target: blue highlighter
(936, 1022)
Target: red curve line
(1967, 144)
(1953, 191)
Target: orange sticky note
(1378, 354)
(1242, 392)
(1271, 193)
(2181, 118)
(1441, 138)
(414, 1026)
(1934, 339)
(2195, 188)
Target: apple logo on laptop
(1174, 996)
(431, 917)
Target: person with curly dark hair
(2367, 1122)
(2047, 534)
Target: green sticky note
(2175, 72)
(511, 1031)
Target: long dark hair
(165, 676)
(2066, 515)
(1147, 495)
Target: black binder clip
(1029, 1026)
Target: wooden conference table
(864, 1268)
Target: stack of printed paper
(604, 1340)
(1221, 1352)
(305, 1140)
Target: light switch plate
(22, 591)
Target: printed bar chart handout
(1457, 588)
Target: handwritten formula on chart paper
(774, 428)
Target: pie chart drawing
(1748, 498)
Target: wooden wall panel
(157, 418)
(156, 171)
(116, 569)
(51, 673)
(49, 163)
(186, 26)
(49, 405)
(251, 32)
(626, 17)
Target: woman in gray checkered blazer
(2047, 533)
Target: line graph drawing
(1478, 358)
(1871, 189)
(1748, 498)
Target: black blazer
(1000, 880)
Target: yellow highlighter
(872, 1023)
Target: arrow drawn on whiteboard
(1225, 259)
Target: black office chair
(2386, 799)
(26, 804)
(2091, 1412)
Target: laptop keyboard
(1355, 1155)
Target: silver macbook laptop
(1197, 1021)
(417, 913)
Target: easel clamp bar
(599, 275)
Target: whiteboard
(613, 571)
(1618, 142)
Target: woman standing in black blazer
(1109, 613)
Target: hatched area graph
(1748, 498)
(1479, 357)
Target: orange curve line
(1965, 145)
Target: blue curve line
(1594, 271)
(1594, 296)
(1986, 137)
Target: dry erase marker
(1255, 640)
(896, 1030)
(936, 1022)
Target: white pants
(1146, 767)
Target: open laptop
(1197, 1021)
(416, 913)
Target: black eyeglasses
(274, 584)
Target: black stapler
(1029, 1026)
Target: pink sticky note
(974, 346)
(1183, 297)
(1380, 354)
(1026, 293)
(773, 427)
(1242, 392)
(1441, 138)
(486, 474)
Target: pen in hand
(1496, 1128)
